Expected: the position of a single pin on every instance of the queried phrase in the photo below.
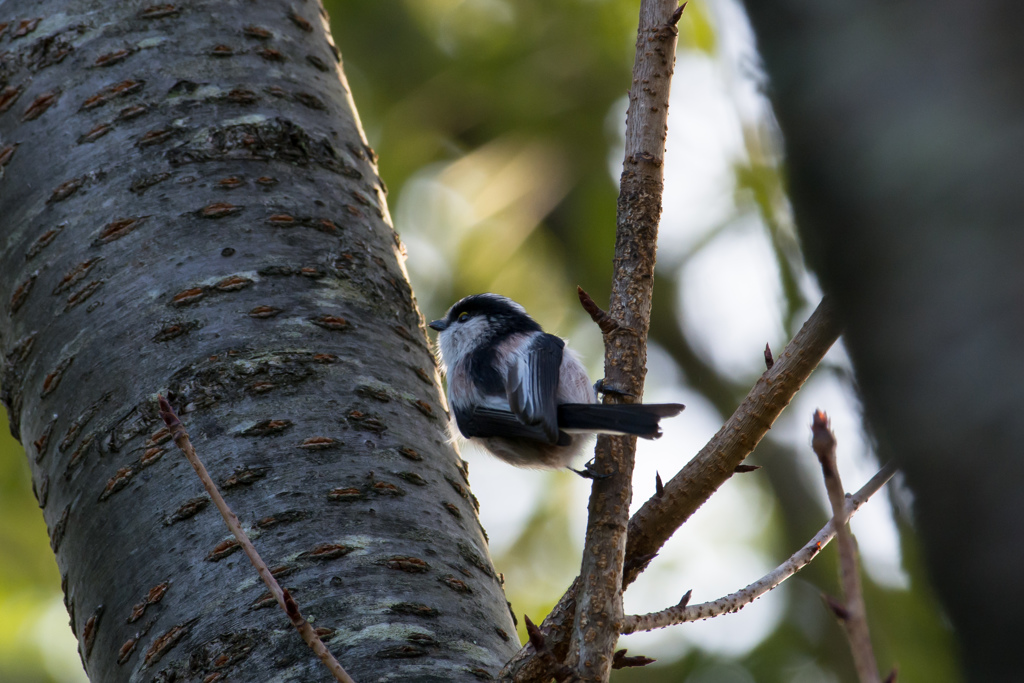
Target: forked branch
(660, 516)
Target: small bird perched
(520, 393)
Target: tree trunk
(188, 206)
(903, 125)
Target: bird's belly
(534, 454)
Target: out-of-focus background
(499, 127)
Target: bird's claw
(603, 387)
(588, 472)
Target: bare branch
(855, 619)
(741, 598)
(598, 617)
(659, 517)
(284, 598)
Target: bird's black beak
(439, 325)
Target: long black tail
(640, 419)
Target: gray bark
(904, 127)
(188, 206)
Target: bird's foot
(588, 472)
(602, 386)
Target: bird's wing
(483, 422)
(532, 384)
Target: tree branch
(658, 519)
(599, 615)
(284, 598)
(852, 612)
(741, 598)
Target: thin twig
(621, 661)
(604, 321)
(855, 619)
(659, 517)
(598, 617)
(743, 597)
(282, 595)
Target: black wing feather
(489, 422)
(533, 384)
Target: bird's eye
(463, 317)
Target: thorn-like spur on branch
(559, 671)
(891, 678)
(837, 608)
(659, 487)
(666, 617)
(284, 598)
(536, 637)
(677, 15)
(852, 613)
(621, 661)
(743, 469)
(769, 360)
(607, 323)
(734, 602)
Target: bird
(522, 393)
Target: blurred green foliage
(36, 645)
(497, 123)
(439, 81)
